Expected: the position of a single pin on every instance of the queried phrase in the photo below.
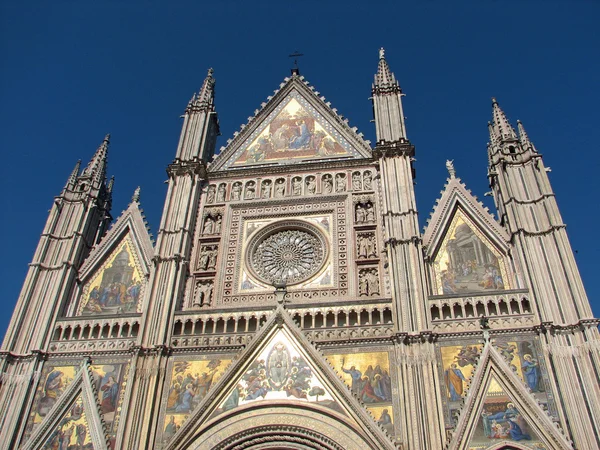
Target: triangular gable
(279, 347)
(458, 220)
(75, 417)
(500, 411)
(114, 275)
(294, 126)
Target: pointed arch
(279, 334)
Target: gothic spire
(96, 168)
(110, 185)
(206, 96)
(385, 81)
(523, 137)
(74, 174)
(501, 127)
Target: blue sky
(73, 71)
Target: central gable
(295, 126)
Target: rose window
(287, 253)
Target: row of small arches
(490, 308)
(97, 331)
(218, 326)
(351, 318)
(310, 184)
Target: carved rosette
(287, 253)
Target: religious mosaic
(72, 432)
(501, 420)
(467, 262)
(459, 361)
(190, 382)
(384, 416)
(280, 372)
(294, 132)
(117, 287)
(110, 380)
(367, 374)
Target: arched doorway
(285, 425)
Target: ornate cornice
(386, 149)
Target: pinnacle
(501, 126)
(524, 138)
(384, 79)
(97, 165)
(136, 195)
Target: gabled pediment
(294, 126)
(465, 244)
(75, 417)
(113, 277)
(499, 411)
(280, 369)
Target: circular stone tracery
(288, 253)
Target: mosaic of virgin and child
(294, 133)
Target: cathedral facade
(291, 301)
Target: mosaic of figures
(190, 382)
(500, 421)
(72, 432)
(467, 262)
(367, 374)
(327, 183)
(280, 372)
(117, 287)
(293, 134)
(458, 364)
(110, 379)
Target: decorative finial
(494, 101)
(450, 167)
(110, 184)
(296, 55)
(210, 72)
(107, 138)
(136, 195)
(382, 53)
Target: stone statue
(210, 197)
(221, 193)
(356, 182)
(362, 246)
(370, 213)
(212, 259)
(363, 288)
(236, 191)
(373, 282)
(327, 184)
(208, 225)
(218, 222)
(280, 188)
(360, 214)
(340, 183)
(203, 263)
(297, 186)
(266, 189)
(311, 185)
(367, 181)
(250, 190)
(450, 167)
